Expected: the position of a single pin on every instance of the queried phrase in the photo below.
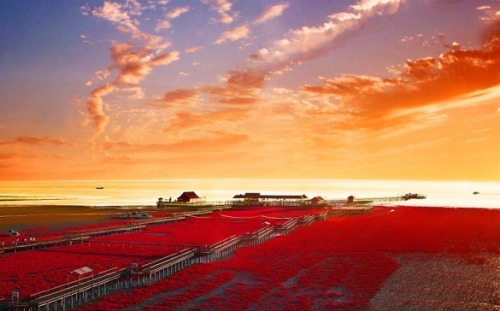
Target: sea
(145, 192)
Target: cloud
(111, 11)
(180, 96)
(227, 103)
(185, 120)
(241, 90)
(134, 60)
(177, 12)
(223, 7)
(241, 87)
(95, 106)
(172, 14)
(307, 43)
(162, 25)
(373, 102)
(271, 12)
(237, 33)
(377, 6)
(489, 14)
(194, 49)
(33, 140)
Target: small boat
(99, 187)
(475, 192)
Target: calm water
(146, 192)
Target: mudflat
(55, 216)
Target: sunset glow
(380, 89)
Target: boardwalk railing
(75, 293)
(306, 220)
(286, 228)
(256, 237)
(221, 249)
(81, 236)
(163, 267)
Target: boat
(475, 192)
(99, 187)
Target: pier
(91, 286)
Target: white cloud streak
(271, 12)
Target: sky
(367, 89)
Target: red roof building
(188, 196)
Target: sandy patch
(442, 282)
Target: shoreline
(54, 217)
(153, 206)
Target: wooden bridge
(75, 293)
(81, 236)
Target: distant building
(188, 197)
(317, 200)
(350, 199)
(257, 199)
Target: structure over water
(257, 199)
(189, 199)
(186, 198)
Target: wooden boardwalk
(72, 294)
(81, 236)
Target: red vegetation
(340, 263)
(36, 270)
(337, 264)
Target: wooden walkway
(72, 294)
(80, 236)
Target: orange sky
(381, 89)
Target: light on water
(146, 192)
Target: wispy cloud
(113, 12)
(133, 61)
(234, 34)
(135, 64)
(183, 96)
(177, 12)
(372, 102)
(271, 12)
(35, 140)
(242, 88)
(307, 43)
(172, 14)
(161, 25)
(194, 49)
(224, 8)
(95, 106)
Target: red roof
(186, 196)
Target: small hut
(317, 200)
(188, 197)
(350, 199)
